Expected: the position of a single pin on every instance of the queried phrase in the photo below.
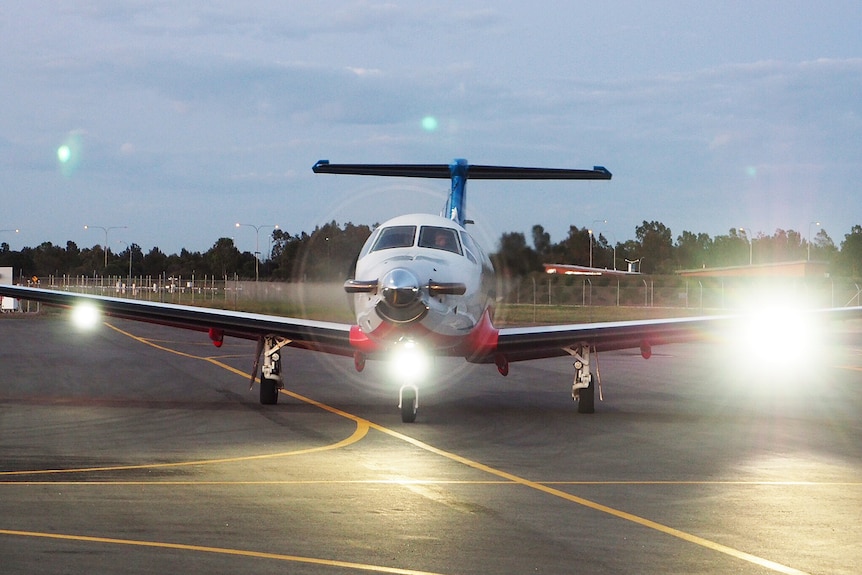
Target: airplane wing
(536, 342)
(515, 343)
(329, 337)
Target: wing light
(777, 343)
(85, 315)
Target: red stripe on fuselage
(480, 342)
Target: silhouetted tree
(656, 243)
(541, 242)
(850, 259)
(692, 250)
(514, 257)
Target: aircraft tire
(587, 398)
(408, 405)
(268, 391)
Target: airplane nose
(399, 287)
(401, 301)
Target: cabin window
(395, 237)
(439, 238)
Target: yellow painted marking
(778, 567)
(217, 550)
(198, 482)
(176, 352)
(538, 486)
(593, 505)
(360, 432)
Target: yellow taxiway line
(217, 550)
(362, 427)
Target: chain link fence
(679, 292)
(538, 290)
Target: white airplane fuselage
(420, 278)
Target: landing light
(409, 363)
(85, 315)
(782, 340)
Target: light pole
(257, 243)
(106, 230)
(130, 261)
(808, 258)
(750, 245)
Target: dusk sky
(178, 119)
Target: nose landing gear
(408, 403)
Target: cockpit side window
(439, 238)
(471, 246)
(395, 237)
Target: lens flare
(64, 153)
(429, 124)
(409, 363)
(85, 316)
(69, 154)
(779, 342)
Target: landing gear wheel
(409, 405)
(587, 397)
(268, 391)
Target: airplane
(422, 287)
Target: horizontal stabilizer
(513, 173)
(475, 172)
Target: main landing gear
(583, 388)
(271, 379)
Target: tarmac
(136, 448)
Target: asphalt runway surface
(139, 449)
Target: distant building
(799, 269)
(570, 270)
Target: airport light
(808, 258)
(106, 230)
(257, 243)
(747, 233)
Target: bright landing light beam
(85, 316)
(780, 341)
(409, 363)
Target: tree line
(655, 251)
(329, 253)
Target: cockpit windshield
(395, 237)
(439, 238)
(434, 237)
